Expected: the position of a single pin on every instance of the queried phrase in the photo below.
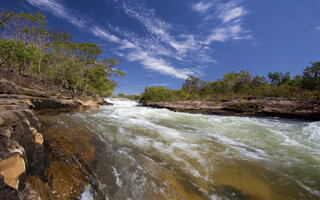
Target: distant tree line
(243, 85)
(128, 96)
(29, 47)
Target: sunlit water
(147, 153)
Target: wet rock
(70, 154)
(90, 103)
(29, 193)
(47, 103)
(103, 102)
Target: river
(145, 153)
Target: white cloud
(231, 11)
(104, 34)
(202, 6)
(159, 65)
(160, 30)
(145, 50)
(59, 10)
(127, 44)
(163, 43)
(222, 34)
(188, 42)
(318, 28)
(56, 8)
(231, 15)
(234, 13)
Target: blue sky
(162, 42)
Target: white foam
(194, 141)
(119, 102)
(312, 191)
(312, 131)
(118, 180)
(87, 195)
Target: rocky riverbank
(268, 107)
(32, 164)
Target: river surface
(146, 153)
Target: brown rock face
(21, 150)
(11, 168)
(37, 136)
(90, 103)
(268, 107)
(102, 102)
(22, 166)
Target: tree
(17, 56)
(257, 81)
(192, 84)
(243, 82)
(311, 76)
(279, 78)
(157, 94)
(28, 46)
(229, 81)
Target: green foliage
(156, 94)
(28, 46)
(311, 77)
(279, 78)
(243, 85)
(17, 56)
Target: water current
(145, 153)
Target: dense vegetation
(29, 47)
(243, 85)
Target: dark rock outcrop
(268, 107)
(21, 150)
(24, 171)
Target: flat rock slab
(270, 107)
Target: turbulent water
(146, 153)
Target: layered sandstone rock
(21, 149)
(23, 166)
(268, 107)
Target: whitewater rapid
(159, 154)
